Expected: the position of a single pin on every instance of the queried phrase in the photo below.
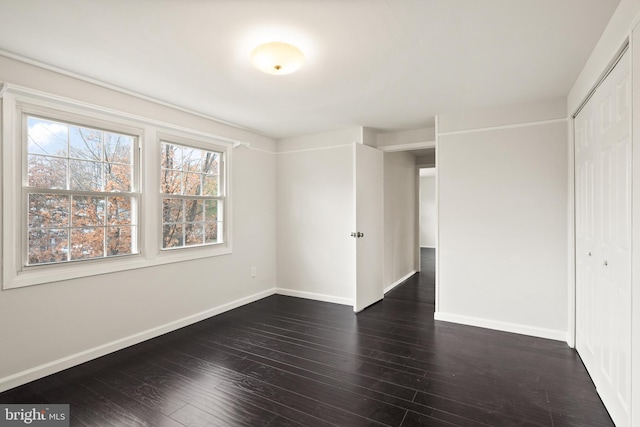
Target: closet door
(585, 231)
(603, 239)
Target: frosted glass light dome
(277, 58)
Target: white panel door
(603, 240)
(586, 248)
(369, 209)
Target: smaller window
(193, 196)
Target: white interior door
(603, 240)
(369, 210)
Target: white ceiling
(386, 64)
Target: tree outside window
(192, 201)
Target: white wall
(399, 217)
(49, 327)
(428, 218)
(502, 200)
(315, 216)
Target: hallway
(420, 288)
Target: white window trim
(14, 275)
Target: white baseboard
(314, 296)
(502, 326)
(41, 371)
(397, 282)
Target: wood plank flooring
(285, 361)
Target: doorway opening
(427, 217)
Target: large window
(192, 196)
(79, 191)
(88, 190)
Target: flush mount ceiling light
(277, 58)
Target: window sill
(38, 275)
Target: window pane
(171, 157)
(47, 172)
(85, 176)
(211, 232)
(172, 210)
(119, 211)
(192, 184)
(191, 159)
(193, 234)
(118, 148)
(171, 182)
(117, 177)
(119, 240)
(87, 211)
(48, 211)
(193, 210)
(85, 143)
(48, 245)
(87, 242)
(210, 186)
(172, 236)
(211, 162)
(47, 137)
(211, 210)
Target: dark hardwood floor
(285, 361)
